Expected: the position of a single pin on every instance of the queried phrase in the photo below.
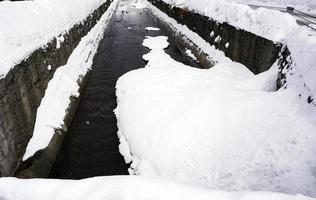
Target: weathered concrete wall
(255, 52)
(39, 165)
(24, 87)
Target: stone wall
(23, 88)
(255, 52)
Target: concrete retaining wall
(39, 165)
(255, 52)
(23, 89)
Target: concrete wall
(39, 165)
(24, 87)
(255, 52)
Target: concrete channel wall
(23, 88)
(255, 52)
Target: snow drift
(29, 25)
(121, 188)
(222, 128)
(270, 24)
(303, 5)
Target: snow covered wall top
(270, 24)
(304, 5)
(28, 25)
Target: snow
(271, 24)
(152, 29)
(189, 53)
(29, 25)
(59, 40)
(54, 105)
(156, 43)
(303, 5)
(302, 46)
(121, 188)
(212, 34)
(218, 39)
(138, 4)
(216, 55)
(223, 128)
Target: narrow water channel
(91, 145)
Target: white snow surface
(122, 188)
(29, 25)
(189, 53)
(138, 4)
(222, 128)
(53, 108)
(302, 5)
(152, 29)
(271, 24)
(267, 23)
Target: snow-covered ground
(221, 128)
(29, 25)
(53, 108)
(121, 188)
(302, 5)
(271, 24)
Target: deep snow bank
(255, 52)
(64, 85)
(121, 188)
(303, 5)
(28, 25)
(220, 128)
(270, 24)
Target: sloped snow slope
(271, 24)
(221, 128)
(28, 25)
(303, 5)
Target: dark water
(91, 145)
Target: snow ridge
(208, 128)
(29, 25)
(54, 105)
